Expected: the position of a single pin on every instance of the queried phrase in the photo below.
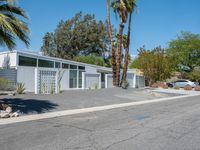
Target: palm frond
(12, 27)
(9, 9)
(6, 39)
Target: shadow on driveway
(29, 106)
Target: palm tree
(112, 43)
(130, 5)
(11, 27)
(119, 7)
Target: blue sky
(157, 21)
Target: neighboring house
(44, 74)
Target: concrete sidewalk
(174, 91)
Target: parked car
(182, 83)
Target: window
(73, 79)
(45, 63)
(65, 66)
(27, 61)
(80, 78)
(73, 67)
(81, 67)
(57, 65)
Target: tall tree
(119, 8)
(186, 51)
(112, 43)
(155, 64)
(49, 47)
(11, 25)
(130, 5)
(80, 35)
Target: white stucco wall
(65, 80)
(8, 60)
(129, 78)
(140, 81)
(90, 69)
(26, 75)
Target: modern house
(43, 74)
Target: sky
(156, 23)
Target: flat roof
(40, 55)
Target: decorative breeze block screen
(47, 82)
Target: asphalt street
(169, 125)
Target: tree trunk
(112, 44)
(126, 60)
(119, 52)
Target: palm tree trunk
(112, 43)
(126, 60)
(119, 52)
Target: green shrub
(125, 84)
(90, 59)
(4, 83)
(20, 88)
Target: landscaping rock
(197, 88)
(6, 111)
(188, 87)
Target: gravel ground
(74, 99)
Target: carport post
(56, 84)
(100, 80)
(134, 80)
(83, 80)
(36, 81)
(106, 81)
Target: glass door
(73, 79)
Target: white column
(134, 80)
(99, 80)
(83, 80)
(106, 81)
(56, 84)
(36, 81)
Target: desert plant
(188, 87)
(20, 88)
(197, 88)
(176, 87)
(4, 83)
(125, 84)
(96, 86)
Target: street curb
(86, 110)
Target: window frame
(27, 57)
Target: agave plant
(20, 88)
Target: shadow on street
(29, 105)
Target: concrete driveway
(75, 99)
